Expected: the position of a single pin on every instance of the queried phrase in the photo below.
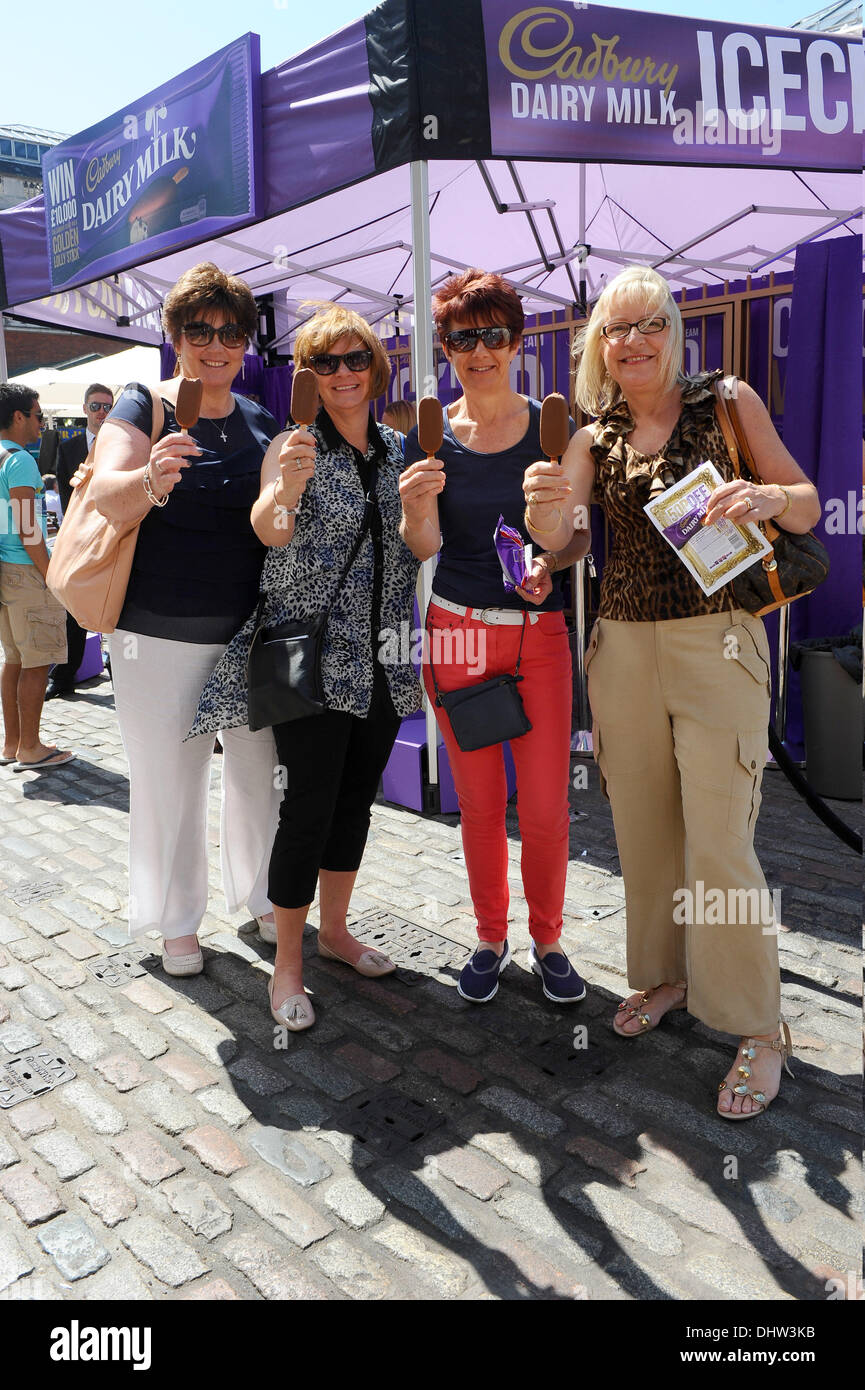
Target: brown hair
(330, 323)
(477, 294)
(203, 289)
(402, 416)
(97, 386)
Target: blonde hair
(332, 322)
(401, 415)
(595, 390)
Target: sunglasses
(231, 335)
(466, 339)
(616, 332)
(94, 406)
(38, 413)
(326, 363)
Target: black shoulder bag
(283, 669)
(488, 713)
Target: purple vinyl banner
(173, 168)
(582, 81)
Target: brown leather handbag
(92, 556)
(797, 563)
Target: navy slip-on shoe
(560, 980)
(479, 979)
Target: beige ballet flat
(294, 1013)
(371, 963)
(267, 931)
(191, 964)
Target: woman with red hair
(453, 503)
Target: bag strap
(737, 447)
(369, 507)
(516, 676)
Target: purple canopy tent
(553, 143)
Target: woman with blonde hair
(400, 415)
(194, 579)
(322, 489)
(678, 681)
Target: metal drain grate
(37, 891)
(389, 1121)
(116, 969)
(32, 1074)
(417, 952)
(558, 1057)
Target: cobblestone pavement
(412, 1146)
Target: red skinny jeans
(466, 652)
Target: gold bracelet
(542, 530)
(789, 497)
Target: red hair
(474, 295)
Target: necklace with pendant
(219, 426)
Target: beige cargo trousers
(680, 716)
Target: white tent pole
(424, 383)
(4, 367)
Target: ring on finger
(533, 499)
(299, 465)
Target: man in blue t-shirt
(32, 622)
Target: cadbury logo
(541, 36)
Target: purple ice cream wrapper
(681, 531)
(511, 551)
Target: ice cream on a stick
(554, 426)
(430, 425)
(304, 397)
(188, 406)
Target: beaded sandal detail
(646, 1023)
(748, 1053)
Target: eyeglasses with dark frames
(326, 363)
(618, 330)
(94, 406)
(231, 335)
(466, 339)
(38, 413)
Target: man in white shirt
(98, 400)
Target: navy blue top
(478, 489)
(198, 562)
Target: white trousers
(157, 684)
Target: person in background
(53, 505)
(194, 581)
(400, 416)
(98, 400)
(32, 622)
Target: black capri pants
(333, 765)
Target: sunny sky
(65, 71)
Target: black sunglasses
(466, 339)
(93, 406)
(326, 363)
(200, 334)
(38, 413)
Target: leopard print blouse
(644, 580)
(300, 580)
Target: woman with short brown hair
(194, 580)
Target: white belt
(484, 615)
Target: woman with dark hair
(194, 580)
(453, 503)
(318, 488)
(679, 681)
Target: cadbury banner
(173, 168)
(580, 80)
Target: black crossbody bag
(488, 713)
(283, 669)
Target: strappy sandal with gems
(749, 1052)
(638, 1010)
